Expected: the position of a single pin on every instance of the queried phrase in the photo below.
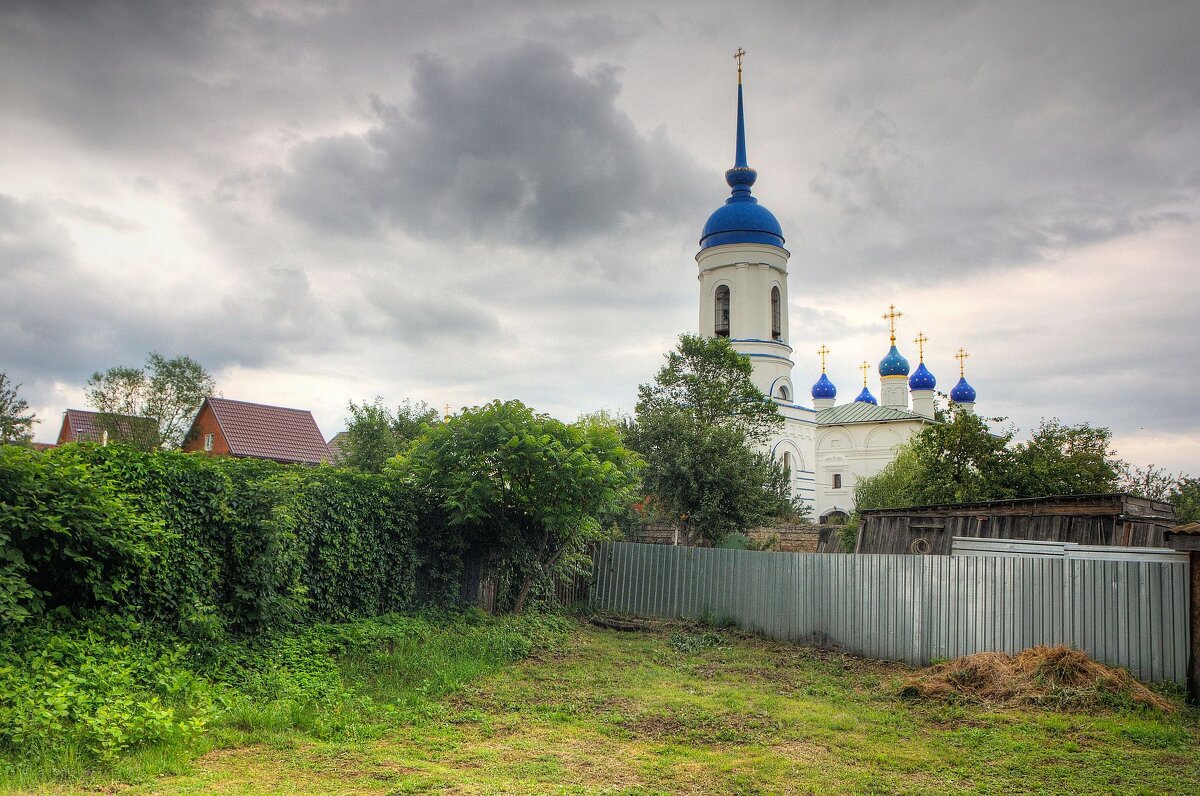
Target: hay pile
(1057, 677)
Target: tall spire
(739, 158)
(741, 176)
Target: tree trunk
(522, 594)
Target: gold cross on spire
(921, 340)
(446, 417)
(738, 56)
(823, 352)
(890, 316)
(864, 367)
(961, 356)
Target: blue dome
(824, 388)
(921, 379)
(741, 220)
(963, 393)
(894, 364)
(865, 397)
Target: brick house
(81, 425)
(225, 427)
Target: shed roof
(1119, 501)
(269, 432)
(860, 412)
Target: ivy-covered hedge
(210, 545)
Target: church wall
(854, 451)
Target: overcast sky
(454, 202)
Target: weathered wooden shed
(1110, 519)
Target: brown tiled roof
(85, 425)
(1189, 528)
(269, 432)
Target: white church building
(826, 447)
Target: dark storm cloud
(519, 147)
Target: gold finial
(890, 316)
(823, 352)
(738, 56)
(921, 340)
(864, 367)
(961, 356)
(446, 416)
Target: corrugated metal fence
(914, 608)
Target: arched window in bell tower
(776, 315)
(721, 312)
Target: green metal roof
(859, 412)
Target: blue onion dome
(865, 397)
(824, 388)
(742, 219)
(921, 379)
(963, 393)
(894, 364)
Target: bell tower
(743, 275)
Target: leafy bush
(97, 689)
(67, 537)
(211, 546)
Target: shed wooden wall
(1127, 522)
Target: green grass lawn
(677, 711)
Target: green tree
(710, 382)
(897, 484)
(707, 477)
(16, 421)
(375, 434)
(697, 425)
(1185, 497)
(960, 460)
(1152, 482)
(525, 489)
(167, 391)
(1063, 460)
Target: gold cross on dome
(890, 316)
(864, 367)
(961, 356)
(446, 417)
(921, 340)
(823, 352)
(738, 56)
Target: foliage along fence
(209, 545)
(914, 608)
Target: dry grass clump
(1058, 677)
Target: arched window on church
(787, 464)
(784, 393)
(721, 307)
(776, 315)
